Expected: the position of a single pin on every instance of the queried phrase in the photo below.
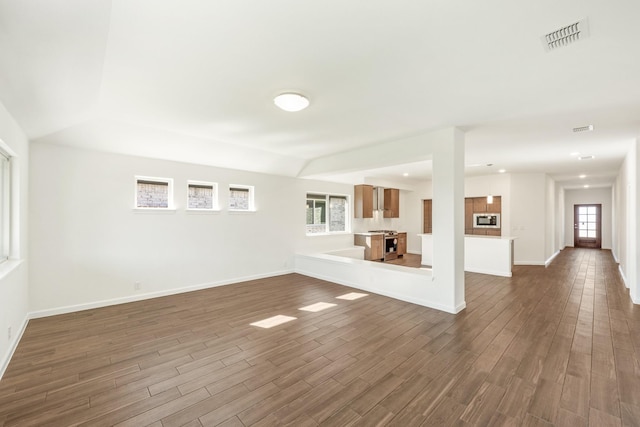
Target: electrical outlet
(9, 332)
(137, 286)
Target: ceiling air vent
(567, 35)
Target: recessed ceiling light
(586, 186)
(502, 171)
(291, 101)
(586, 157)
(582, 176)
(587, 128)
(405, 174)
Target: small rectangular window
(241, 198)
(327, 213)
(202, 195)
(154, 193)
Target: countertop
(368, 233)
(476, 236)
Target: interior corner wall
(585, 196)
(14, 284)
(89, 246)
(527, 206)
(550, 219)
(626, 211)
(560, 227)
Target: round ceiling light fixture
(291, 101)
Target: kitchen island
(482, 254)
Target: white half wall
(89, 245)
(589, 196)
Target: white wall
(587, 196)
(14, 290)
(550, 219)
(528, 216)
(88, 244)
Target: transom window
(326, 213)
(154, 193)
(241, 198)
(202, 195)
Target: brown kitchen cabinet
(468, 216)
(427, 217)
(373, 245)
(391, 203)
(363, 201)
(402, 244)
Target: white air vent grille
(566, 35)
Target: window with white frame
(202, 195)
(5, 205)
(327, 213)
(241, 198)
(154, 193)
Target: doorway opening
(587, 226)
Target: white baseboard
(4, 363)
(528, 263)
(490, 272)
(624, 278)
(546, 264)
(141, 297)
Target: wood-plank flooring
(555, 346)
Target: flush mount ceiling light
(587, 128)
(291, 101)
(586, 157)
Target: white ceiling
(194, 80)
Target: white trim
(154, 210)
(490, 272)
(547, 262)
(528, 263)
(624, 278)
(6, 267)
(13, 345)
(132, 298)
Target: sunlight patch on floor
(273, 321)
(351, 296)
(319, 306)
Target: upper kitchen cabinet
(480, 205)
(391, 203)
(363, 201)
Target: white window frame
(347, 214)
(252, 206)
(214, 202)
(10, 220)
(170, 202)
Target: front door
(587, 226)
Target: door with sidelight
(587, 226)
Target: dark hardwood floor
(555, 346)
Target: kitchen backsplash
(361, 225)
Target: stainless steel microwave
(488, 220)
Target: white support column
(448, 218)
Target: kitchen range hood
(378, 198)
